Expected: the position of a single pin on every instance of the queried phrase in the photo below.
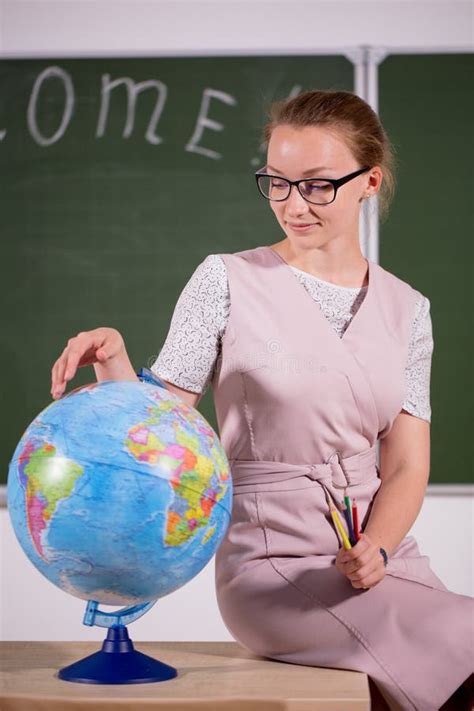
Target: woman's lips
(301, 228)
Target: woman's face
(315, 152)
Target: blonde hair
(353, 118)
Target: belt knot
(331, 471)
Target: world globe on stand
(119, 493)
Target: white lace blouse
(192, 346)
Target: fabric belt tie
(337, 472)
(340, 472)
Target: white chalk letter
(48, 73)
(204, 122)
(133, 90)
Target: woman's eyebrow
(305, 172)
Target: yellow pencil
(340, 528)
(337, 522)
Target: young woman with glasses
(315, 354)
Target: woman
(314, 354)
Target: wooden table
(212, 676)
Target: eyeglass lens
(315, 191)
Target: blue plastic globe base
(117, 663)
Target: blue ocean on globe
(119, 492)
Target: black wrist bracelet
(384, 556)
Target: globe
(119, 493)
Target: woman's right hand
(97, 346)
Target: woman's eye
(278, 184)
(318, 187)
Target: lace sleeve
(188, 356)
(418, 366)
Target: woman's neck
(352, 274)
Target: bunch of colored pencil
(352, 520)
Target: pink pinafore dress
(299, 411)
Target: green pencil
(347, 501)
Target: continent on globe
(196, 486)
(43, 491)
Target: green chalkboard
(427, 104)
(110, 199)
(106, 211)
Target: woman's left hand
(363, 564)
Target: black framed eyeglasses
(319, 191)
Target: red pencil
(355, 520)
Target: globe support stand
(118, 662)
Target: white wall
(72, 27)
(33, 608)
(30, 606)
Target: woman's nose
(295, 203)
